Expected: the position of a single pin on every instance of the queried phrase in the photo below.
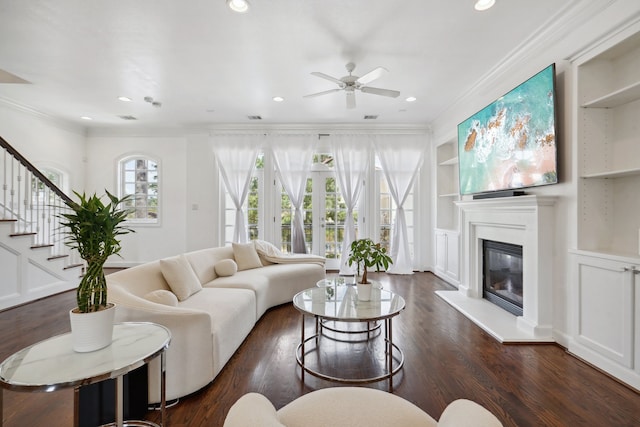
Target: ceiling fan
(352, 83)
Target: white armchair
(353, 407)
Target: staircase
(34, 262)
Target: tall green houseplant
(365, 253)
(93, 229)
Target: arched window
(140, 178)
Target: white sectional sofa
(208, 306)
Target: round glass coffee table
(340, 303)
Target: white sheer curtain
(236, 156)
(400, 157)
(351, 158)
(293, 157)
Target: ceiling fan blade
(376, 73)
(328, 77)
(322, 93)
(351, 99)
(378, 91)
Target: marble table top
(53, 364)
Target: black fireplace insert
(502, 275)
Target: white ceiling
(208, 65)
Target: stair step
(44, 245)
(8, 220)
(21, 234)
(70, 266)
(51, 258)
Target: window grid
(139, 179)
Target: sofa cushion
(180, 276)
(246, 256)
(161, 296)
(226, 268)
(232, 314)
(265, 248)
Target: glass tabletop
(53, 364)
(342, 303)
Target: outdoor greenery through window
(139, 177)
(324, 210)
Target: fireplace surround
(528, 221)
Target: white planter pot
(92, 331)
(364, 291)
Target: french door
(324, 214)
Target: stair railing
(32, 201)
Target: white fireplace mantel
(528, 221)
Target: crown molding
(178, 132)
(557, 28)
(51, 120)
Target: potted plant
(93, 229)
(366, 253)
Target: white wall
(45, 142)
(554, 46)
(203, 192)
(149, 242)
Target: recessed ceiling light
(278, 98)
(240, 6)
(124, 99)
(411, 99)
(484, 4)
(86, 118)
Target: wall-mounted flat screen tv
(511, 143)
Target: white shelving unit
(609, 150)
(606, 268)
(447, 231)
(447, 185)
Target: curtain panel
(401, 157)
(293, 156)
(236, 157)
(351, 159)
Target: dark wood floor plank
(446, 357)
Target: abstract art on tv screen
(511, 143)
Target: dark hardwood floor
(447, 357)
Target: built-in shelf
(617, 98)
(450, 162)
(609, 254)
(612, 174)
(447, 184)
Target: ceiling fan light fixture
(239, 6)
(484, 4)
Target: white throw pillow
(246, 256)
(180, 276)
(226, 267)
(162, 296)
